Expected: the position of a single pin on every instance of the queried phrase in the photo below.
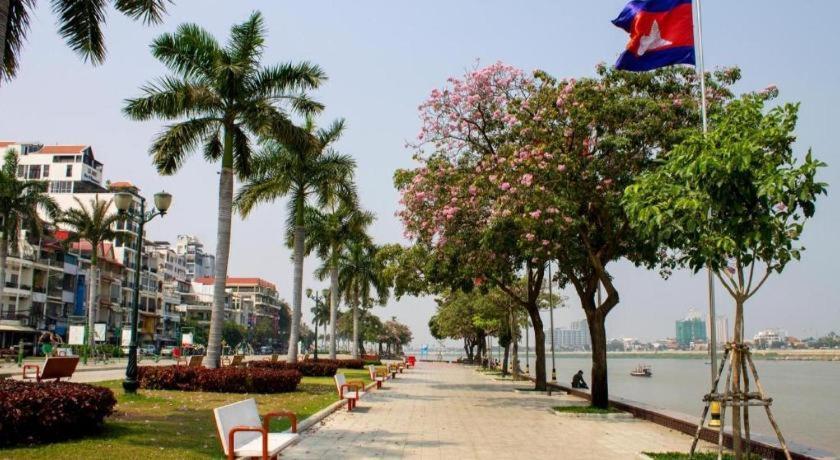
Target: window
(46, 171)
(61, 186)
(34, 172)
(69, 172)
(21, 172)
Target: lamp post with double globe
(123, 201)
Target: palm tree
(221, 96)
(20, 201)
(304, 173)
(360, 278)
(328, 233)
(79, 22)
(95, 225)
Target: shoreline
(764, 355)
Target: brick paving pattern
(439, 411)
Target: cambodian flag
(661, 34)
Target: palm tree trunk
(4, 21)
(217, 316)
(94, 281)
(4, 250)
(297, 292)
(356, 326)
(333, 303)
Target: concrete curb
(613, 416)
(313, 419)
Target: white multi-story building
(722, 335)
(575, 337)
(67, 168)
(769, 338)
(198, 263)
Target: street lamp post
(551, 320)
(123, 202)
(317, 299)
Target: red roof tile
(62, 149)
(234, 281)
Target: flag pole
(711, 280)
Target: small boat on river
(642, 370)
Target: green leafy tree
(233, 334)
(20, 201)
(361, 279)
(328, 233)
(94, 224)
(79, 23)
(218, 98)
(305, 173)
(735, 200)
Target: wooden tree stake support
(736, 395)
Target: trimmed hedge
(309, 368)
(32, 413)
(223, 380)
(350, 363)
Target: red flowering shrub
(350, 363)
(309, 368)
(33, 413)
(223, 380)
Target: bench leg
(349, 405)
(379, 384)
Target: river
(806, 400)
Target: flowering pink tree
(478, 222)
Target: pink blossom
(568, 219)
(527, 179)
(536, 214)
(530, 236)
(505, 186)
(561, 168)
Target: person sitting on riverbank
(578, 382)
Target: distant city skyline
(383, 58)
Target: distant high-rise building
(691, 329)
(199, 264)
(576, 337)
(721, 329)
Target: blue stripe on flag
(655, 59)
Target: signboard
(187, 338)
(125, 339)
(99, 332)
(76, 335)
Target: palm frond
(176, 142)
(17, 26)
(191, 52)
(80, 24)
(171, 97)
(149, 11)
(288, 81)
(246, 43)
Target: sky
(383, 58)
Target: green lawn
(697, 456)
(585, 410)
(175, 424)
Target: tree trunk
(598, 379)
(297, 290)
(355, 326)
(217, 316)
(4, 242)
(736, 378)
(333, 303)
(4, 21)
(539, 347)
(505, 360)
(94, 280)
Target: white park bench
(377, 377)
(351, 390)
(243, 434)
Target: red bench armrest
(289, 415)
(351, 386)
(237, 429)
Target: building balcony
(12, 290)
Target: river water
(806, 394)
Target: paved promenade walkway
(439, 411)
